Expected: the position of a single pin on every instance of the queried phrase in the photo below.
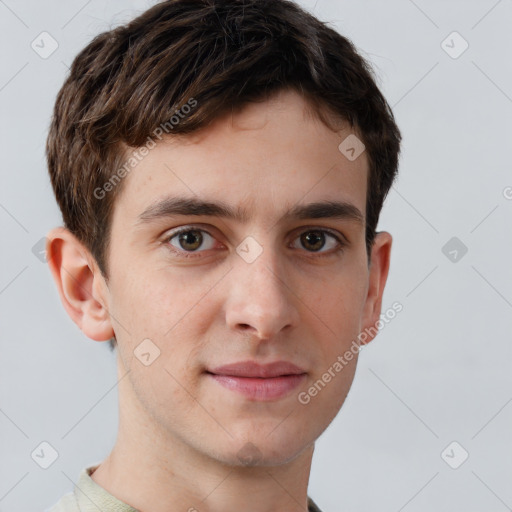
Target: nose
(260, 300)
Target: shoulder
(70, 502)
(66, 504)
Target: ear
(82, 288)
(378, 273)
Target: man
(220, 167)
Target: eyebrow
(172, 206)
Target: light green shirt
(88, 496)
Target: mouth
(259, 382)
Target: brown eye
(313, 240)
(190, 240)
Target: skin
(180, 433)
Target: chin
(261, 450)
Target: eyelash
(194, 254)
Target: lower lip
(258, 388)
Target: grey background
(439, 372)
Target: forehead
(263, 161)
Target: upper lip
(253, 369)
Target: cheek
(174, 313)
(162, 308)
(338, 304)
(155, 303)
(161, 390)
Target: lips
(253, 369)
(259, 382)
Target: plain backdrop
(439, 373)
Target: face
(268, 285)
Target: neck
(175, 485)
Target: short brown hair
(222, 53)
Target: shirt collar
(91, 497)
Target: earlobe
(378, 273)
(81, 286)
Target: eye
(315, 239)
(190, 239)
